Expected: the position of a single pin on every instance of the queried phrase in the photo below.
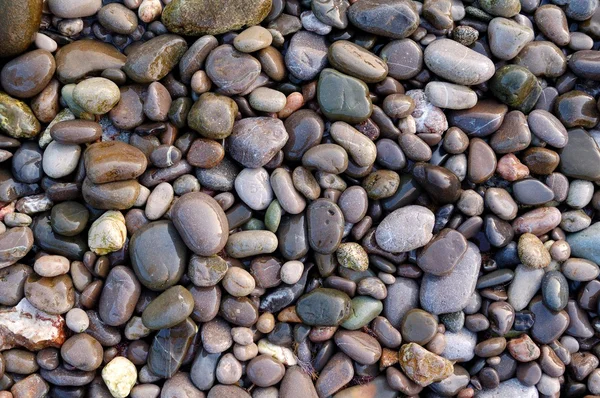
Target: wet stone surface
(299, 198)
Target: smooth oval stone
(516, 86)
(265, 371)
(60, 160)
(83, 352)
(201, 223)
(15, 243)
(586, 64)
(418, 326)
(481, 162)
(213, 116)
(481, 120)
(577, 109)
(96, 95)
(201, 17)
(325, 226)
(549, 325)
(240, 311)
(155, 58)
(405, 229)
(450, 96)
(451, 292)
(119, 195)
(307, 55)
(555, 291)
(292, 236)
(525, 284)
(76, 132)
(440, 256)
(297, 384)
(335, 375)
(169, 348)
(360, 148)
(170, 308)
(501, 203)
(85, 57)
(251, 243)
(506, 8)
(359, 346)
(354, 60)
(52, 295)
(578, 269)
(253, 188)
(363, 310)
(305, 129)
(119, 296)
(330, 158)
(17, 119)
(583, 243)
(507, 37)
(404, 58)
(254, 141)
(324, 307)
(27, 163)
(28, 74)
(158, 255)
(231, 70)
(532, 192)
(12, 280)
(580, 158)
(442, 185)
(288, 197)
(397, 19)
(443, 55)
(74, 8)
(554, 63)
(118, 18)
(342, 97)
(548, 128)
(72, 247)
(111, 161)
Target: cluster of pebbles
(299, 198)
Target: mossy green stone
(516, 86)
(17, 119)
(254, 224)
(363, 310)
(352, 255)
(343, 97)
(273, 216)
(323, 307)
(213, 17)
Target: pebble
(444, 294)
(343, 97)
(394, 233)
(442, 253)
(507, 37)
(247, 143)
(396, 20)
(158, 266)
(423, 367)
(323, 307)
(200, 17)
(442, 55)
(201, 223)
(253, 187)
(450, 96)
(120, 376)
(108, 233)
(154, 59)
